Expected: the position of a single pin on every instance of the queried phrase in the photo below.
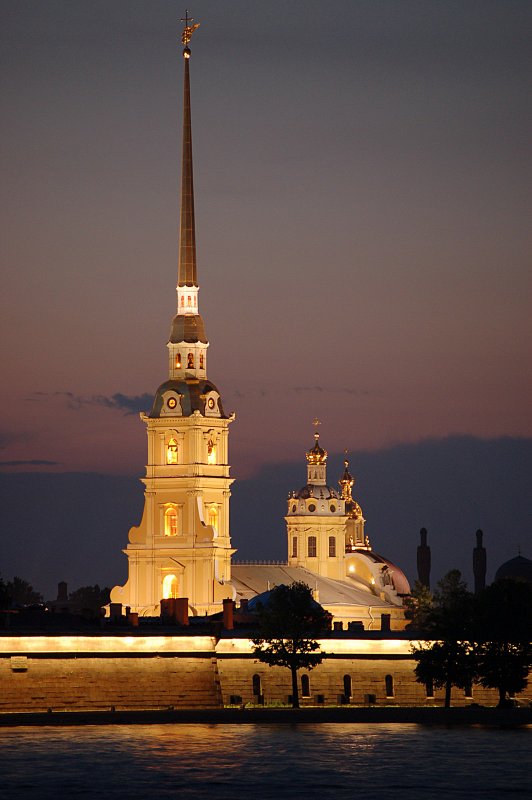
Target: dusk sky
(363, 195)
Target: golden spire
(346, 481)
(187, 231)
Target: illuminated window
(348, 692)
(332, 546)
(170, 521)
(178, 361)
(190, 361)
(312, 549)
(211, 452)
(170, 587)
(294, 547)
(171, 452)
(305, 686)
(201, 361)
(189, 301)
(182, 300)
(213, 515)
(388, 680)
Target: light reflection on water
(265, 761)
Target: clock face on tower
(210, 402)
(171, 402)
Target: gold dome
(317, 455)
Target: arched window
(348, 692)
(171, 452)
(190, 361)
(305, 686)
(182, 300)
(332, 546)
(201, 361)
(312, 549)
(178, 361)
(170, 521)
(211, 452)
(170, 587)
(189, 301)
(294, 547)
(257, 688)
(388, 680)
(213, 515)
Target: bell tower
(182, 547)
(316, 520)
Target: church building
(182, 547)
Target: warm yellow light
(171, 452)
(211, 452)
(213, 515)
(351, 567)
(178, 361)
(170, 587)
(170, 522)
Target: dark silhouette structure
(423, 559)
(479, 564)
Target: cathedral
(182, 547)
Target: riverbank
(493, 717)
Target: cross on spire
(189, 29)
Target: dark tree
(90, 598)
(503, 636)
(418, 607)
(5, 599)
(22, 593)
(449, 659)
(288, 622)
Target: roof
(399, 579)
(192, 396)
(253, 579)
(518, 567)
(319, 491)
(188, 328)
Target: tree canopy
(448, 660)
(18, 592)
(90, 598)
(503, 636)
(288, 621)
(485, 638)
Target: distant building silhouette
(423, 559)
(479, 564)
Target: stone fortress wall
(79, 673)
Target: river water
(265, 761)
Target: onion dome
(518, 568)
(317, 455)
